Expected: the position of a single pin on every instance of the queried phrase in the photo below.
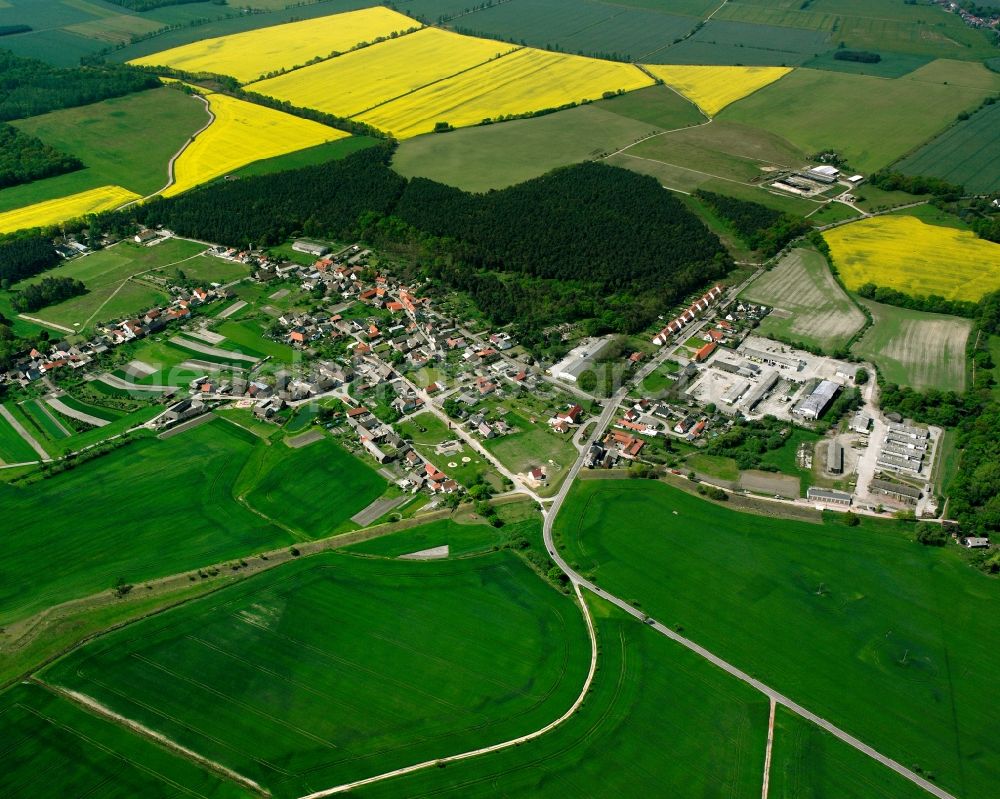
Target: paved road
(579, 581)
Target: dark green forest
(48, 291)
(24, 158)
(584, 242)
(29, 87)
(22, 256)
(760, 227)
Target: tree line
(760, 227)
(932, 303)
(48, 291)
(24, 158)
(890, 180)
(30, 87)
(150, 5)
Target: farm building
(310, 248)
(835, 458)
(829, 496)
(861, 422)
(975, 542)
(764, 384)
(903, 493)
(813, 406)
(578, 360)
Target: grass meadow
(659, 721)
(106, 274)
(808, 304)
(336, 667)
(495, 156)
(126, 141)
(172, 509)
(871, 121)
(912, 348)
(843, 620)
(313, 490)
(534, 445)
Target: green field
(461, 539)
(812, 610)
(658, 722)
(494, 156)
(314, 489)
(809, 763)
(336, 667)
(173, 509)
(912, 348)
(320, 154)
(111, 291)
(46, 419)
(892, 65)
(723, 41)
(964, 154)
(808, 305)
(53, 746)
(870, 121)
(125, 141)
(894, 29)
(723, 150)
(580, 26)
(13, 448)
(250, 334)
(713, 466)
(107, 414)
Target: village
(371, 355)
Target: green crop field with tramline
(865, 598)
(337, 667)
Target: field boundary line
(515, 49)
(36, 320)
(23, 433)
(775, 696)
(767, 752)
(591, 631)
(171, 178)
(663, 132)
(96, 708)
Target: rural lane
(579, 581)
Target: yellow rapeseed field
(904, 253)
(249, 55)
(713, 88)
(360, 80)
(52, 212)
(242, 133)
(524, 81)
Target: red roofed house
(704, 352)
